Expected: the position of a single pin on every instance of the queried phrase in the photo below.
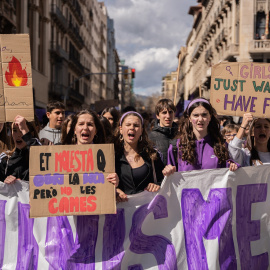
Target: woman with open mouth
(200, 144)
(86, 128)
(16, 164)
(137, 163)
(258, 144)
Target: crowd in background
(147, 148)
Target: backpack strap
(154, 172)
(175, 144)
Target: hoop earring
(121, 138)
(140, 138)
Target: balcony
(87, 71)
(259, 46)
(75, 64)
(75, 35)
(231, 51)
(59, 18)
(75, 95)
(208, 55)
(221, 37)
(75, 7)
(7, 17)
(57, 90)
(197, 52)
(58, 52)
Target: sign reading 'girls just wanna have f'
(238, 88)
(16, 93)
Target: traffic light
(133, 73)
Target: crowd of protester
(146, 150)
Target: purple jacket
(206, 158)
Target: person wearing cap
(165, 128)
(137, 164)
(200, 144)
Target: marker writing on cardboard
(3, 49)
(12, 103)
(227, 85)
(255, 72)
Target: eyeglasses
(230, 135)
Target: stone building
(223, 30)
(112, 63)
(169, 84)
(126, 84)
(68, 40)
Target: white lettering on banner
(210, 219)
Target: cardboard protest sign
(16, 94)
(71, 180)
(238, 88)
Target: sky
(149, 34)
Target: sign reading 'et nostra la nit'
(71, 180)
(238, 88)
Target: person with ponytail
(200, 144)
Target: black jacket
(18, 164)
(162, 137)
(124, 172)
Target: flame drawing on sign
(16, 75)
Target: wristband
(243, 127)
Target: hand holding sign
(20, 122)
(113, 178)
(247, 119)
(10, 179)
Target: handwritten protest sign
(238, 88)
(16, 94)
(71, 180)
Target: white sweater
(242, 155)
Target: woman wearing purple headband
(200, 144)
(138, 164)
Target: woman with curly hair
(200, 144)
(257, 151)
(138, 164)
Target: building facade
(68, 40)
(223, 30)
(126, 84)
(112, 65)
(169, 84)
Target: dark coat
(162, 137)
(18, 163)
(124, 172)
